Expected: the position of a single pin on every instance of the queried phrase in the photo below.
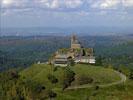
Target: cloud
(55, 4)
(51, 4)
(106, 4)
(6, 2)
(111, 4)
(127, 3)
(73, 3)
(66, 5)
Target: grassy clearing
(100, 75)
(118, 92)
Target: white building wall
(92, 61)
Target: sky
(66, 13)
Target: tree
(68, 78)
(55, 69)
(131, 75)
(84, 53)
(99, 61)
(70, 61)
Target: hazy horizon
(30, 31)
(68, 13)
(62, 17)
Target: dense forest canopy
(24, 51)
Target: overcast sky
(64, 13)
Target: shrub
(13, 74)
(52, 79)
(84, 80)
(97, 87)
(39, 88)
(51, 94)
(55, 69)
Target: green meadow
(99, 74)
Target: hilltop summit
(76, 54)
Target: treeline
(22, 52)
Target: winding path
(122, 76)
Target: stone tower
(75, 43)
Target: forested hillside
(24, 51)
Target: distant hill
(33, 31)
(130, 35)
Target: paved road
(122, 76)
